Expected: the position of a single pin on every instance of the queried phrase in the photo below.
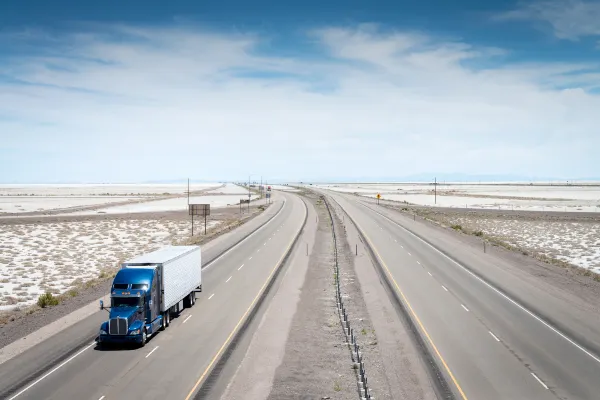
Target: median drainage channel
(362, 383)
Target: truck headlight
(135, 332)
(103, 332)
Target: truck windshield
(126, 301)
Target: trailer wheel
(163, 323)
(192, 299)
(144, 338)
(167, 318)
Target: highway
(487, 344)
(175, 362)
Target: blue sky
(135, 91)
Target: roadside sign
(378, 196)
(199, 209)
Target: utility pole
(249, 193)
(435, 190)
(188, 192)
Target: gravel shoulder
(316, 363)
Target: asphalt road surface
(487, 344)
(174, 362)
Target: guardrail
(359, 365)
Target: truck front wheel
(144, 338)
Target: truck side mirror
(101, 305)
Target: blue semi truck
(147, 290)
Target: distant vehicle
(147, 290)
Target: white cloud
(570, 19)
(146, 103)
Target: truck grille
(117, 326)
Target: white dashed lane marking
(153, 350)
(540, 381)
(494, 336)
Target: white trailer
(179, 270)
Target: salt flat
(100, 189)
(19, 204)
(584, 198)
(43, 198)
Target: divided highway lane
(487, 347)
(556, 360)
(20, 371)
(174, 362)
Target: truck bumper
(120, 339)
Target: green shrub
(456, 227)
(47, 300)
(478, 233)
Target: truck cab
(134, 311)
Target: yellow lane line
(414, 314)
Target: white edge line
(531, 314)
(494, 336)
(153, 350)
(444, 288)
(52, 371)
(101, 398)
(228, 279)
(241, 267)
(211, 296)
(186, 320)
(463, 306)
(209, 264)
(429, 273)
(540, 381)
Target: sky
(151, 90)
